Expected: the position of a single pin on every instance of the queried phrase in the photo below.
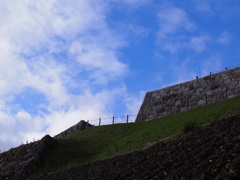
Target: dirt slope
(212, 152)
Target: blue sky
(63, 61)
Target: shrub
(190, 126)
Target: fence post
(127, 118)
(87, 124)
(113, 120)
(99, 121)
(226, 68)
(210, 75)
(226, 94)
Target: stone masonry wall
(81, 125)
(17, 163)
(190, 95)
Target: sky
(66, 61)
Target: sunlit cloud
(64, 61)
(224, 38)
(59, 52)
(173, 20)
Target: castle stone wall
(80, 126)
(190, 95)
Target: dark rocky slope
(19, 162)
(212, 152)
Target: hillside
(212, 152)
(19, 162)
(97, 143)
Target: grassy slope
(99, 142)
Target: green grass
(100, 142)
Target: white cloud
(134, 102)
(183, 72)
(203, 6)
(224, 10)
(177, 32)
(172, 20)
(137, 30)
(198, 43)
(212, 64)
(224, 38)
(64, 51)
(35, 22)
(101, 60)
(20, 127)
(15, 127)
(172, 47)
(135, 2)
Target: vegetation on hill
(210, 152)
(101, 142)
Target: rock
(21, 161)
(76, 128)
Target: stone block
(155, 94)
(176, 87)
(183, 109)
(230, 96)
(178, 103)
(233, 84)
(229, 93)
(195, 85)
(209, 93)
(199, 91)
(158, 97)
(236, 71)
(223, 74)
(201, 102)
(225, 77)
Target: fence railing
(218, 71)
(113, 120)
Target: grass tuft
(190, 126)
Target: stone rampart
(81, 125)
(190, 95)
(17, 163)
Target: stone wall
(190, 95)
(19, 162)
(22, 161)
(81, 125)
